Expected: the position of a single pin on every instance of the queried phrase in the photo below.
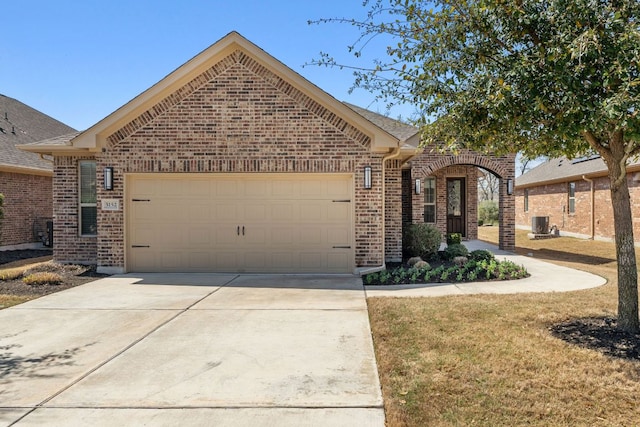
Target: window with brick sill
(87, 200)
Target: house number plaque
(110, 204)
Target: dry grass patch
(9, 300)
(43, 278)
(491, 360)
(12, 273)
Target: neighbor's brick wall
(239, 117)
(68, 245)
(443, 165)
(549, 200)
(27, 198)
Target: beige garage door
(300, 223)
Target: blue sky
(78, 61)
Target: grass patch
(7, 301)
(43, 278)
(12, 273)
(491, 360)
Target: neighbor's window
(526, 200)
(572, 197)
(430, 200)
(88, 202)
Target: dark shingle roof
(563, 169)
(400, 130)
(21, 124)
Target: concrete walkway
(545, 277)
(196, 349)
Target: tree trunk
(625, 250)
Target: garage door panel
(339, 260)
(285, 189)
(338, 236)
(195, 223)
(338, 212)
(310, 212)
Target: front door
(456, 196)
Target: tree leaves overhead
(509, 75)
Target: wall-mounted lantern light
(418, 186)
(509, 186)
(367, 177)
(108, 178)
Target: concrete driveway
(196, 349)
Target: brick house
(25, 178)
(575, 195)
(234, 162)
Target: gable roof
(562, 169)
(139, 110)
(21, 124)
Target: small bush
(43, 278)
(454, 239)
(481, 255)
(422, 240)
(455, 250)
(413, 261)
(422, 265)
(11, 273)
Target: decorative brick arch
(493, 165)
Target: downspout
(593, 215)
(394, 154)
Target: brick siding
(552, 201)
(27, 199)
(68, 245)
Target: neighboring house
(235, 163)
(575, 195)
(25, 178)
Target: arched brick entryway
(465, 165)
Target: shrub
(456, 250)
(43, 278)
(413, 261)
(11, 273)
(481, 255)
(488, 212)
(422, 240)
(422, 265)
(454, 238)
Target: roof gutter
(394, 154)
(593, 214)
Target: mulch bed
(599, 334)
(10, 257)
(73, 275)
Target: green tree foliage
(488, 212)
(552, 77)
